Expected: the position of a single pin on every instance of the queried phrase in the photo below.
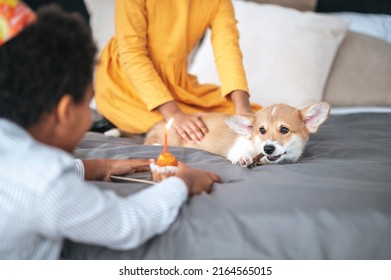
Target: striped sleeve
(81, 212)
(79, 167)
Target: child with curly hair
(45, 91)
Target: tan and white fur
(279, 132)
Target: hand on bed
(102, 169)
(196, 180)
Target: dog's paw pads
(244, 161)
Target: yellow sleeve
(131, 33)
(228, 56)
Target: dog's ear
(314, 115)
(241, 124)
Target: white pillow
(287, 54)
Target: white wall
(102, 20)
(102, 23)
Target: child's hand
(196, 180)
(120, 167)
(102, 169)
(190, 127)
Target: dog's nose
(269, 149)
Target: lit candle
(168, 125)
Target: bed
(334, 203)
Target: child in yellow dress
(143, 78)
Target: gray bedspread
(334, 203)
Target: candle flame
(169, 123)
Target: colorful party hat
(14, 16)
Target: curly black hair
(51, 57)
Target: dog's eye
(262, 130)
(284, 130)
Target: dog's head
(280, 131)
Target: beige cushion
(361, 74)
(287, 54)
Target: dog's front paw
(242, 153)
(245, 161)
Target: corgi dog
(275, 134)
